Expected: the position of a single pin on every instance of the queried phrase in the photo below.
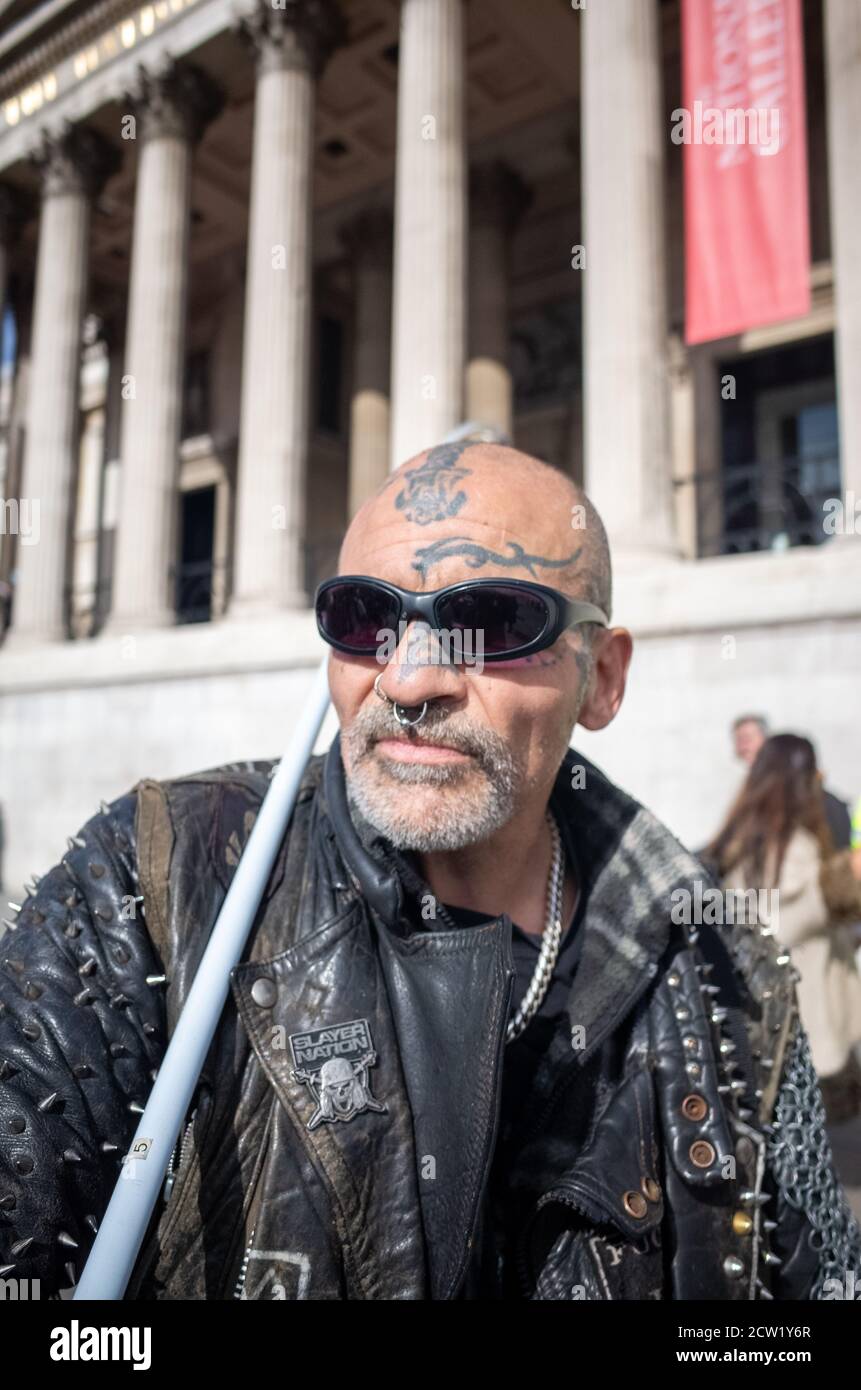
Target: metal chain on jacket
(799, 1155)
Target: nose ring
(398, 710)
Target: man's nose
(422, 668)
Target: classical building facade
(253, 254)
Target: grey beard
(485, 803)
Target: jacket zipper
(173, 1171)
(239, 1289)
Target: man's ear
(606, 689)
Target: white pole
(116, 1247)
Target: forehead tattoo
(476, 556)
(432, 491)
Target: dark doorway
(197, 536)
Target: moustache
(439, 725)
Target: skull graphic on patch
(333, 1063)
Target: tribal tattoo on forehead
(431, 491)
(476, 556)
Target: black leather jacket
(675, 1150)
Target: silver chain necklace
(551, 939)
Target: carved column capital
(298, 34)
(174, 99)
(74, 159)
(497, 195)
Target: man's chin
(432, 816)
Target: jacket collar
(629, 861)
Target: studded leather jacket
(343, 1127)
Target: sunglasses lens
(506, 618)
(352, 614)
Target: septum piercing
(398, 709)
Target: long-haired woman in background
(776, 836)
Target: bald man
(492, 1035)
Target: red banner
(747, 240)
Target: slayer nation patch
(333, 1063)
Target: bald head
(487, 510)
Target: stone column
(497, 198)
(73, 167)
(171, 107)
(368, 239)
(843, 80)
(627, 438)
(290, 46)
(429, 319)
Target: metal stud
(726, 1047)
(119, 1050)
(71, 1156)
(108, 1148)
(31, 1031)
(7, 1202)
(757, 1199)
(150, 1030)
(153, 980)
(718, 1015)
(82, 1071)
(784, 958)
(763, 1292)
(93, 1224)
(119, 1001)
(769, 1225)
(5, 1269)
(88, 966)
(674, 979)
(71, 1273)
(104, 808)
(21, 1246)
(10, 926)
(135, 1107)
(6, 1070)
(14, 907)
(733, 1266)
(770, 1258)
(50, 1102)
(85, 997)
(69, 1241)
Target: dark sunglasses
(514, 616)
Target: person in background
(749, 733)
(777, 836)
